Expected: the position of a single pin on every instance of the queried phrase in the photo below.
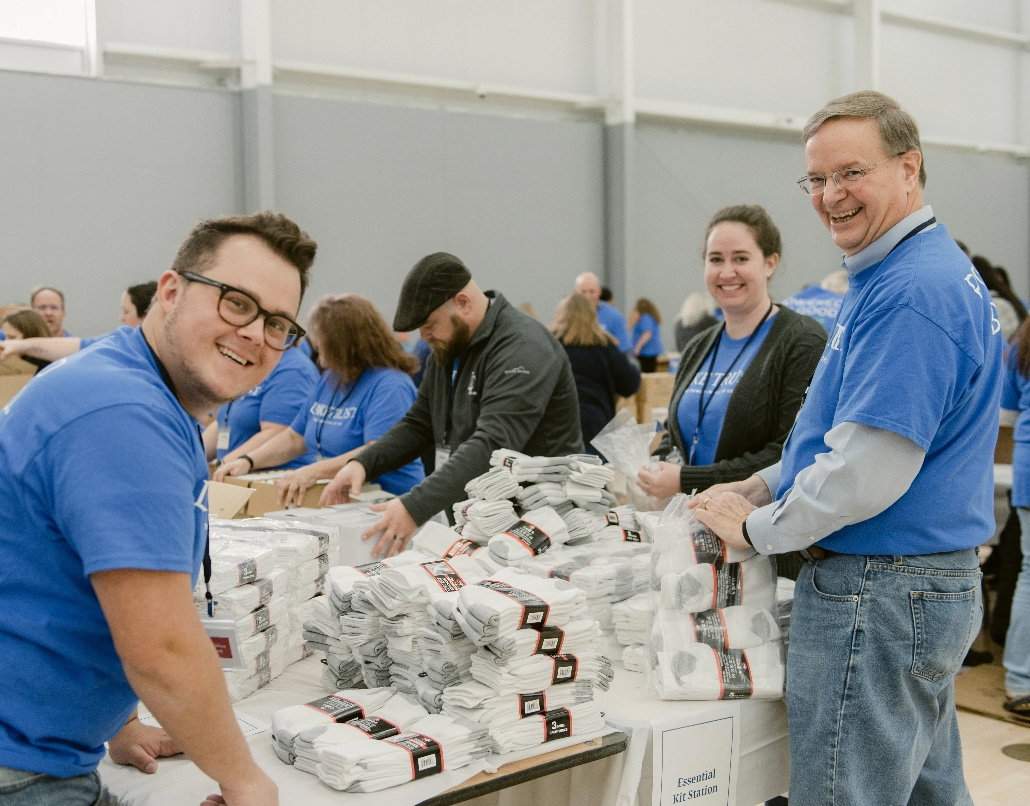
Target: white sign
(696, 763)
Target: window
(51, 36)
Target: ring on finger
(704, 504)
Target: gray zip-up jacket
(514, 389)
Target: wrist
(248, 460)
(747, 537)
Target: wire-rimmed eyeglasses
(816, 184)
(239, 309)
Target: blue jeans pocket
(944, 626)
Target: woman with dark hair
(1011, 313)
(647, 334)
(136, 301)
(601, 370)
(740, 383)
(366, 387)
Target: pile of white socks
(578, 636)
(632, 619)
(705, 587)
(435, 743)
(392, 718)
(275, 612)
(558, 723)
(633, 658)
(395, 591)
(343, 578)
(540, 671)
(536, 532)
(342, 670)
(436, 540)
(533, 468)
(489, 517)
(235, 563)
(342, 706)
(512, 599)
(700, 672)
(541, 494)
(480, 703)
(497, 484)
(739, 627)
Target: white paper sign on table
(695, 762)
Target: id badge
(222, 632)
(223, 439)
(442, 455)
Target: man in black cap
(499, 379)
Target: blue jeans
(20, 788)
(1017, 640)
(875, 643)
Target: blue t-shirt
(100, 469)
(277, 399)
(1015, 395)
(337, 419)
(614, 323)
(648, 324)
(87, 341)
(817, 302)
(715, 404)
(916, 350)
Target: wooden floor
(994, 779)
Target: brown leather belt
(814, 554)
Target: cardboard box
(352, 520)
(10, 385)
(263, 499)
(655, 393)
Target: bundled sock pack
(275, 612)
(537, 531)
(558, 723)
(342, 706)
(705, 587)
(236, 602)
(235, 563)
(540, 671)
(497, 484)
(436, 540)
(633, 657)
(632, 619)
(682, 545)
(700, 672)
(739, 627)
(342, 578)
(480, 703)
(435, 743)
(489, 517)
(541, 494)
(533, 468)
(396, 590)
(578, 636)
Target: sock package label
(534, 609)
(534, 538)
(371, 569)
(735, 672)
(340, 709)
(446, 577)
(531, 704)
(262, 618)
(565, 669)
(709, 628)
(460, 547)
(550, 641)
(612, 517)
(729, 585)
(264, 591)
(426, 753)
(565, 570)
(248, 571)
(376, 727)
(557, 724)
(707, 547)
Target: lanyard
(702, 404)
(332, 404)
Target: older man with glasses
(885, 482)
(103, 526)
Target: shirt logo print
(838, 334)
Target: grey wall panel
(100, 180)
(520, 201)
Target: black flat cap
(431, 282)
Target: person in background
(1010, 310)
(600, 368)
(49, 303)
(498, 379)
(820, 301)
(243, 425)
(608, 315)
(1015, 397)
(886, 482)
(25, 324)
(695, 315)
(365, 389)
(647, 334)
(136, 301)
(740, 383)
(103, 526)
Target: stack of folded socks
(410, 588)
(480, 703)
(738, 627)
(537, 531)
(342, 578)
(436, 540)
(512, 599)
(489, 517)
(392, 718)
(497, 484)
(540, 671)
(342, 706)
(558, 723)
(236, 602)
(632, 619)
(235, 563)
(583, 524)
(784, 604)
(447, 659)
(705, 587)
(577, 637)
(342, 670)
(647, 523)
(700, 672)
(541, 494)
(321, 629)
(435, 743)
(533, 469)
(633, 658)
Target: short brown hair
(279, 233)
(898, 130)
(29, 323)
(352, 336)
(575, 323)
(40, 289)
(754, 217)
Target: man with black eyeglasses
(103, 525)
(886, 481)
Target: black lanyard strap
(702, 404)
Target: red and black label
(262, 618)
(557, 724)
(508, 462)
(445, 576)
(565, 570)
(426, 753)
(710, 628)
(612, 517)
(371, 569)
(729, 585)
(550, 641)
(376, 727)
(248, 571)
(532, 704)
(735, 674)
(338, 709)
(632, 536)
(532, 537)
(534, 609)
(459, 547)
(707, 547)
(264, 591)
(566, 667)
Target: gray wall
(100, 180)
(519, 201)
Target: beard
(446, 351)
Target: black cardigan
(762, 408)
